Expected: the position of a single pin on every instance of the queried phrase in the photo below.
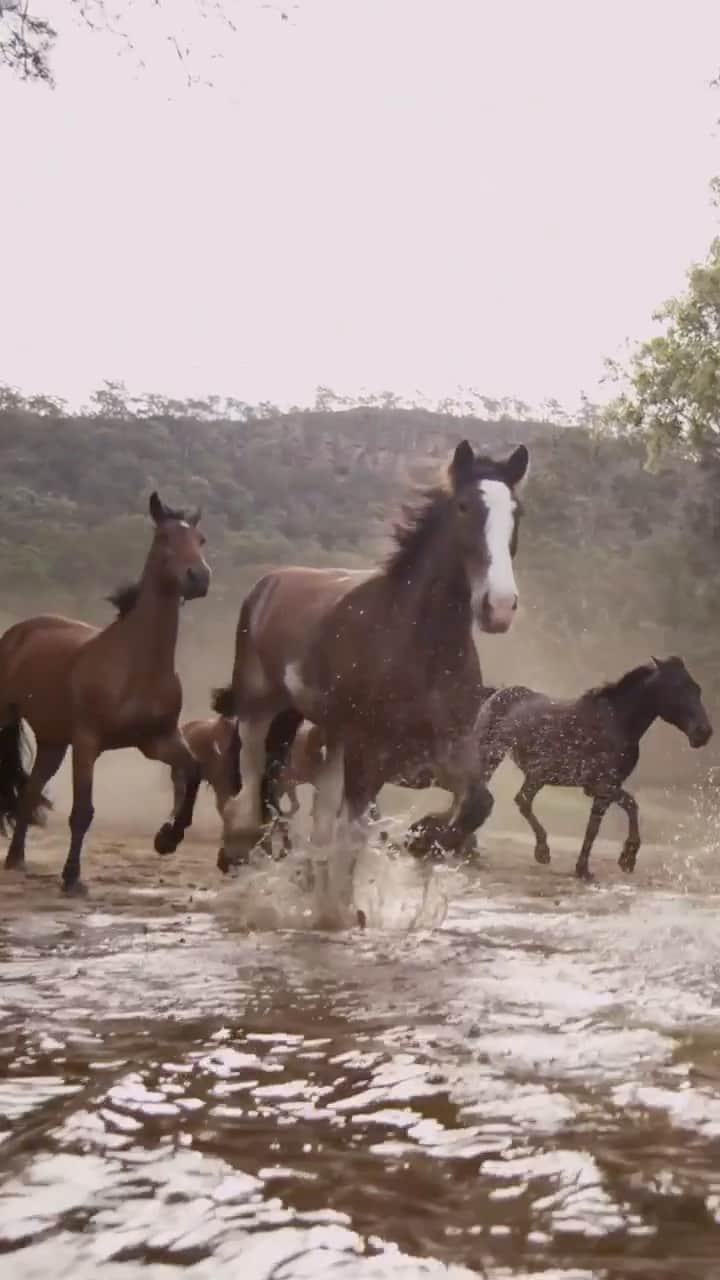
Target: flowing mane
(418, 527)
(615, 689)
(124, 598)
(421, 518)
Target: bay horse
(97, 690)
(593, 743)
(385, 660)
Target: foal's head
(176, 557)
(485, 513)
(679, 700)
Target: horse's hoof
(165, 840)
(14, 864)
(423, 839)
(226, 863)
(584, 874)
(542, 854)
(626, 862)
(361, 918)
(75, 889)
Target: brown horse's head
(176, 557)
(679, 701)
(486, 511)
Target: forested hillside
(615, 562)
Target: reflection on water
(530, 1090)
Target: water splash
(349, 884)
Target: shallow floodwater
(525, 1088)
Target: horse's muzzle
(197, 582)
(496, 616)
(699, 735)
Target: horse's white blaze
(498, 582)
(244, 811)
(329, 795)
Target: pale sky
(391, 194)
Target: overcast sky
(383, 193)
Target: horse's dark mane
(124, 598)
(615, 690)
(417, 527)
(420, 519)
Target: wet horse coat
(385, 661)
(96, 690)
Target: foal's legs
(628, 857)
(600, 806)
(85, 751)
(524, 800)
(48, 759)
(186, 775)
(172, 832)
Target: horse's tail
(14, 749)
(225, 699)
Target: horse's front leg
(452, 831)
(629, 854)
(186, 776)
(524, 801)
(85, 751)
(600, 806)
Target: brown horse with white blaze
(384, 661)
(97, 690)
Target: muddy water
(528, 1088)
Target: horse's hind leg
(524, 800)
(629, 854)
(600, 806)
(243, 816)
(47, 762)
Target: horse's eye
(202, 539)
(462, 506)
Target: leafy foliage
(673, 398)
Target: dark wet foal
(593, 743)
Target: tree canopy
(673, 396)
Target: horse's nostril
(515, 604)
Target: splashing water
(338, 887)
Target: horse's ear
(462, 467)
(157, 508)
(658, 662)
(195, 518)
(516, 468)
